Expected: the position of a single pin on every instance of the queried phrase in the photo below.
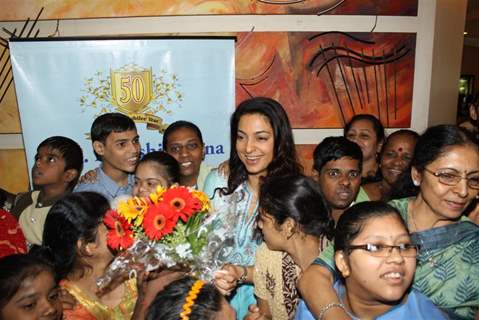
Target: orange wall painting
(323, 79)
(305, 156)
(74, 9)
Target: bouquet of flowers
(171, 227)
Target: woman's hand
(88, 177)
(68, 301)
(149, 284)
(254, 313)
(226, 279)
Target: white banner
(63, 85)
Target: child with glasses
(444, 171)
(376, 261)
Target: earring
(416, 183)
(291, 233)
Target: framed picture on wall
(466, 91)
(466, 84)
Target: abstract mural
(323, 79)
(70, 9)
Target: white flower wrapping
(150, 255)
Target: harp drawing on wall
(362, 77)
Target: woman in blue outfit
(261, 146)
(376, 259)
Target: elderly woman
(446, 170)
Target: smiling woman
(376, 260)
(262, 146)
(368, 132)
(445, 167)
(183, 140)
(394, 164)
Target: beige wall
(447, 57)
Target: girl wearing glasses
(445, 169)
(376, 260)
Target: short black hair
(334, 148)
(437, 140)
(108, 123)
(180, 125)
(168, 303)
(167, 161)
(16, 268)
(70, 151)
(353, 219)
(377, 125)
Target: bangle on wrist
(330, 306)
(243, 277)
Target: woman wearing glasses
(446, 170)
(376, 260)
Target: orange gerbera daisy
(160, 220)
(182, 201)
(120, 235)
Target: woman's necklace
(428, 255)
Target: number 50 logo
(131, 89)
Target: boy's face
(339, 180)
(38, 298)
(49, 168)
(121, 151)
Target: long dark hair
(168, 303)
(285, 161)
(298, 198)
(75, 217)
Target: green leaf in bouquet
(178, 236)
(196, 233)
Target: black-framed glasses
(453, 178)
(383, 251)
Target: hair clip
(190, 299)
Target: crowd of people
(384, 228)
